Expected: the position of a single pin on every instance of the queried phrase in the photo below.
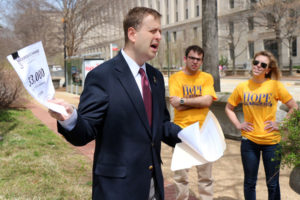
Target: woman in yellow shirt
(259, 97)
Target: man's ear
(131, 34)
(185, 58)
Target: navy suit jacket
(127, 151)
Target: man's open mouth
(154, 46)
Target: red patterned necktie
(146, 95)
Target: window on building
(271, 45)
(167, 36)
(292, 13)
(176, 9)
(250, 23)
(231, 27)
(231, 51)
(197, 11)
(195, 30)
(186, 13)
(251, 49)
(174, 36)
(184, 35)
(252, 3)
(231, 3)
(186, 9)
(197, 8)
(270, 20)
(167, 11)
(294, 46)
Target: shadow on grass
(8, 122)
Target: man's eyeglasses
(262, 64)
(193, 58)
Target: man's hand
(175, 101)
(69, 108)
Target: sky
(6, 8)
(3, 10)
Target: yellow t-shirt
(186, 86)
(259, 105)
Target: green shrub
(296, 67)
(290, 142)
(223, 61)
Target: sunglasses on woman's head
(262, 64)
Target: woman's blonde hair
(274, 72)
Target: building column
(171, 11)
(181, 10)
(192, 8)
(163, 12)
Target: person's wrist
(181, 101)
(277, 124)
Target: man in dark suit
(127, 119)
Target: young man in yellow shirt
(191, 94)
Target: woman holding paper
(259, 97)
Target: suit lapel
(129, 84)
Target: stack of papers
(199, 146)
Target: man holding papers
(123, 108)
(191, 94)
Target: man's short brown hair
(194, 48)
(135, 17)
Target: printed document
(31, 65)
(199, 146)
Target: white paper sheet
(199, 146)
(31, 65)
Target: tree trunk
(279, 45)
(210, 40)
(232, 53)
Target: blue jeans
(250, 153)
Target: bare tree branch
(275, 15)
(82, 18)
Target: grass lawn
(36, 163)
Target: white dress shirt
(70, 123)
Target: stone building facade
(239, 35)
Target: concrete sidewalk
(227, 171)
